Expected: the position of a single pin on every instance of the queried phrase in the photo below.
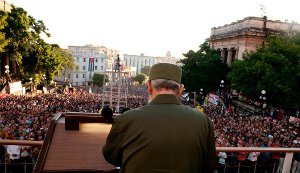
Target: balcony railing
(286, 165)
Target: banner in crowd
(213, 98)
(15, 87)
(294, 120)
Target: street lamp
(201, 94)
(263, 97)
(222, 84)
(7, 73)
(221, 88)
(6, 69)
(201, 91)
(45, 81)
(7, 78)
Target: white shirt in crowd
(253, 156)
(222, 157)
(14, 151)
(25, 151)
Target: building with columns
(140, 61)
(232, 40)
(89, 59)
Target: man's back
(164, 136)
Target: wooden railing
(286, 166)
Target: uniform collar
(165, 99)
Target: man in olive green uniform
(164, 136)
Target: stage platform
(74, 143)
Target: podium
(73, 143)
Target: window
(96, 59)
(101, 60)
(76, 75)
(69, 75)
(95, 67)
(83, 75)
(77, 59)
(101, 67)
(83, 67)
(83, 59)
(90, 76)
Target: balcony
(286, 165)
(74, 136)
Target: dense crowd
(253, 131)
(28, 118)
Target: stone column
(223, 54)
(237, 51)
(229, 57)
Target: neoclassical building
(89, 59)
(232, 40)
(140, 61)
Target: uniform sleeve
(210, 160)
(112, 150)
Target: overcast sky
(152, 27)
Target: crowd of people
(28, 118)
(253, 131)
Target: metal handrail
(21, 142)
(286, 166)
(258, 149)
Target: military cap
(166, 71)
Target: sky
(152, 27)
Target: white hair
(158, 84)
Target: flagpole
(119, 82)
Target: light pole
(221, 88)
(222, 84)
(7, 72)
(44, 78)
(263, 98)
(201, 95)
(7, 78)
(30, 85)
(6, 69)
(194, 99)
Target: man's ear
(149, 86)
(181, 87)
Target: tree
(23, 33)
(98, 79)
(55, 60)
(140, 78)
(28, 52)
(274, 68)
(3, 23)
(145, 70)
(203, 69)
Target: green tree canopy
(140, 78)
(203, 69)
(3, 23)
(98, 79)
(145, 70)
(28, 52)
(274, 68)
